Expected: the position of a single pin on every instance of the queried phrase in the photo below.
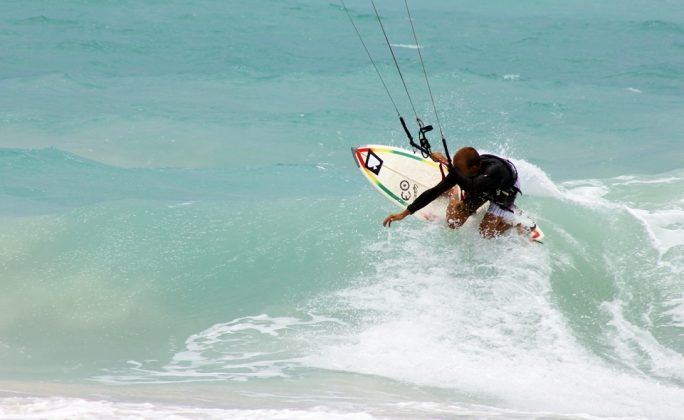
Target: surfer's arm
(430, 195)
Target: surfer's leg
(458, 211)
(492, 226)
(496, 221)
(456, 214)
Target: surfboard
(402, 175)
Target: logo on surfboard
(373, 162)
(405, 193)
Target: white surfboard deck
(402, 175)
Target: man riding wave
(483, 178)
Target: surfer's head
(467, 160)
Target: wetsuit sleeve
(430, 195)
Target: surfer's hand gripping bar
(440, 158)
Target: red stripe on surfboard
(360, 158)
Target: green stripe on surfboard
(390, 193)
(407, 155)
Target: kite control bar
(424, 146)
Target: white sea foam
(660, 211)
(484, 324)
(676, 311)
(588, 193)
(632, 180)
(186, 203)
(629, 340)
(244, 348)
(50, 408)
(665, 227)
(78, 408)
(534, 181)
(408, 46)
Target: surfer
(482, 178)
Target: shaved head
(467, 160)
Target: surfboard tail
(536, 234)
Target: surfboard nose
(356, 158)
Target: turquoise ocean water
(183, 231)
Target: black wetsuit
(495, 182)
